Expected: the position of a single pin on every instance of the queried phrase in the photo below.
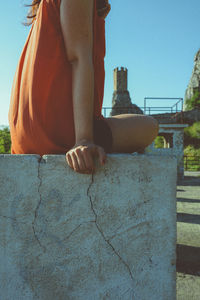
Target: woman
(57, 92)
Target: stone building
(173, 135)
(194, 83)
(121, 101)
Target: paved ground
(188, 237)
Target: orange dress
(41, 107)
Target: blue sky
(156, 40)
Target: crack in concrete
(101, 232)
(13, 219)
(128, 229)
(37, 208)
(67, 237)
(70, 234)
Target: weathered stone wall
(194, 83)
(120, 79)
(65, 235)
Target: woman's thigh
(132, 132)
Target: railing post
(182, 104)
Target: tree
(192, 135)
(159, 142)
(5, 141)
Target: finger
(75, 162)
(69, 160)
(88, 159)
(80, 160)
(102, 155)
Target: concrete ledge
(108, 236)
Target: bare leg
(132, 132)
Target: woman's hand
(81, 157)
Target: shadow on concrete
(188, 260)
(189, 180)
(188, 218)
(188, 200)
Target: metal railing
(107, 110)
(191, 163)
(177, 107)
(148, 110)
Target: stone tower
(120, 79)
(121, 101)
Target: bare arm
(77, 26)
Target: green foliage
(159, 142)
(192, 135)
(191, 150)
(193, 131)
(193, 102)
(193, 158)
(192, 147)
(5, 141)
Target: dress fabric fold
(41, 106)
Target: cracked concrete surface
(101, 232)
(55, 244)
(37, 208)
